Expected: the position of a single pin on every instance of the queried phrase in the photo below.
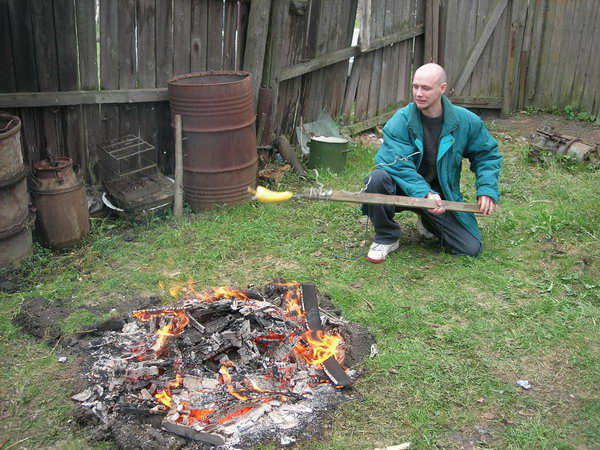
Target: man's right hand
(438, 201)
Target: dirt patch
(523, 125)
(42, 318)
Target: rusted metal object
(15, 229)
(59, 197)
(545, 139)
(219, 138)
(11, 158)
(16, 243)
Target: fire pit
(223, 366)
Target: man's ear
(443, 87)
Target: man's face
(427, 90)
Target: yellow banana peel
(265, 195)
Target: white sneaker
(378, 252)
(424, 231)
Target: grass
(453, 333)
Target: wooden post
(256, 41)
(178, 201)
(509, 81)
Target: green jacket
(463, 135)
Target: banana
(265, 195)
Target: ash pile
(223, 368)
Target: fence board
(8, 83)
(214, 51)
(242, 32)
(403, 90)
(591, 99)
(199, 35)
(146, 54)
(164, 42)
(182, 40)
(586, 57)
(109, 66)
(229, 29)
(128, 114)
(377, 30)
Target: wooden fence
(509, 54)
(79, 72)
(103, 66)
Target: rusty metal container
(60, 200)
(220, 161)
(15, 229)
(11, 158)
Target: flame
(165, 396)
(319, 348)
(293, 303)
(238, 413)
(198, 415)
(228, 381)
(174, 328)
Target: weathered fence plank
(182, 39)
(214, 53)
(199, 35)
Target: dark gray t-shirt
(432, 128)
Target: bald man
(424, 144)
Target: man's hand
(486, 205)
(438, 201)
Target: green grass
(457, 332)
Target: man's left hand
(486, 205)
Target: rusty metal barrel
(60, 200)
(220, 161)
(15, 226)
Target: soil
(523, 125)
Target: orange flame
(293, 303)
(320, 346)
(199, 415)
(228, 381)
(165, 396)
(238, 413)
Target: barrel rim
(15, 178)
(15, 129)
(175, 81)
(63, 163)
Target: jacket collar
(450, 119)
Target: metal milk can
(59, 197)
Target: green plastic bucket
(328, 153)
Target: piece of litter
(286, 440)
(396, 447)
(62, 359)
(374, 350)
(83, 396)
(524, 384)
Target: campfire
(222, 364)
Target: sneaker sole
(375, 261)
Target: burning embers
(221, 362)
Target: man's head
(429, 83)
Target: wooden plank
(573, 40)
(365, 24)
(199, 34)
(242, 31)
(44, 35)
(359, 127)
(364, 82)
(403, 57)
(214, 51)
(351, 89)
(32, 133)
(89, 122)
(164, 23)
(229, 30)
(383, 98)
(377, 30)
(590, 101)
(534, 52)
(477, 102)
(20, 17)
(256, 41)
(394, 200)
(419, 41)
(66, 44)
(182, 40)
(290, 91)
(71, 117)
(109, 71)
(128, 114)
(566, 37)
(549, 60)
(479, 45)
(8, 82)
(58, 98)
(508, 85)
(146, 55)
(586, 55)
